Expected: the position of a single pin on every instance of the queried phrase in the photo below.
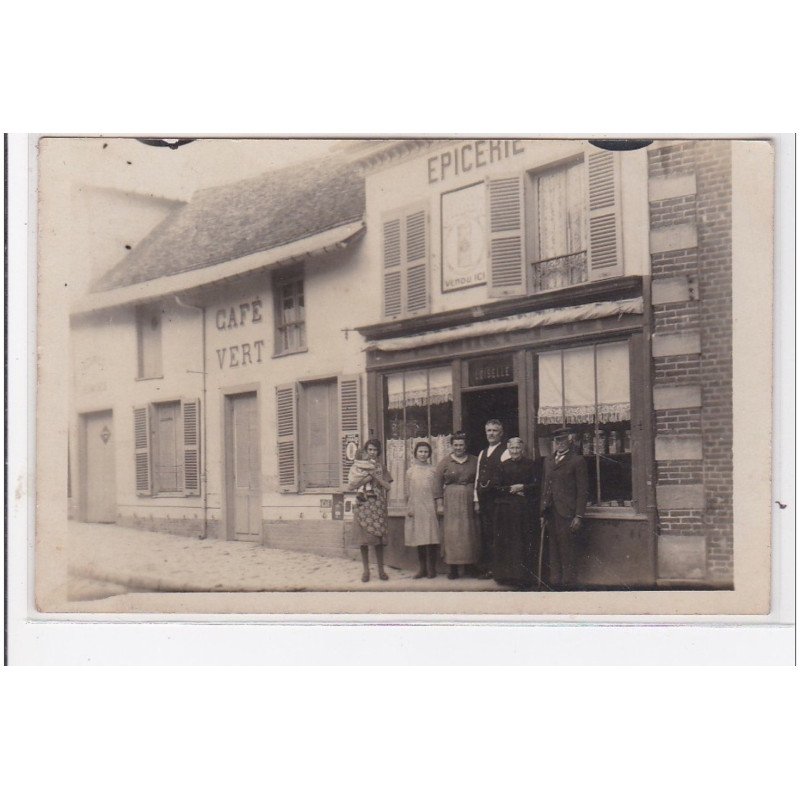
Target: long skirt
(516, 541)
(371, 521)
(461, 542)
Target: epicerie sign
(464, 158)
(234, 317)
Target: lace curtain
(419, 408)
(583, 383)
(561, 211)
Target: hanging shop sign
(492, 369)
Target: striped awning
(517, 322)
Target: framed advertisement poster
(464, 237)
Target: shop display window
(588, 389)
(419, 406)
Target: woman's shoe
(382, 575)
(365, 576)
(453, 574)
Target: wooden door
(100, 473)
(245, 467)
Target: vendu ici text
(465, 157)
(238, 316)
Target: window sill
(321, 491)
(290, 353)
(629, 514)
(151, 378)
(614, 513)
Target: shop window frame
(380, 395)
(641, 473)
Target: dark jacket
(565, 485)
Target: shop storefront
(516, 287)
(535, 374)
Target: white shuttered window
(316, 421)
(166, 439)
(406, 263)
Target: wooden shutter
(605, 229)
(191, 447)
(405, 264)
(141, 449)
(286, 418)
(506, 236)
(349, 418)
(392, 269)
(416, 262)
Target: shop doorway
(478, 406)
(100, 486)
(243, 467)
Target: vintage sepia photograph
(454, 376)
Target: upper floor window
(148, 339)
(290, 314)
(559, 227)
(555, 227)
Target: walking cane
(541, 550)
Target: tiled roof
(239, 219)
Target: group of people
(499, 516)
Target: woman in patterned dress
(422, 524)
(371, 514)
(454, 490)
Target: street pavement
(107, 560)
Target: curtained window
(560, 227)
(588, 389)
(419, 407)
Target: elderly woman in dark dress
(516, 523)
(371, 484)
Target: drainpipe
(203, 372)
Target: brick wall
(695, 268)
(713, 168)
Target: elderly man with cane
(564, 495)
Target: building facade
(228, 369)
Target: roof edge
(340, 236)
